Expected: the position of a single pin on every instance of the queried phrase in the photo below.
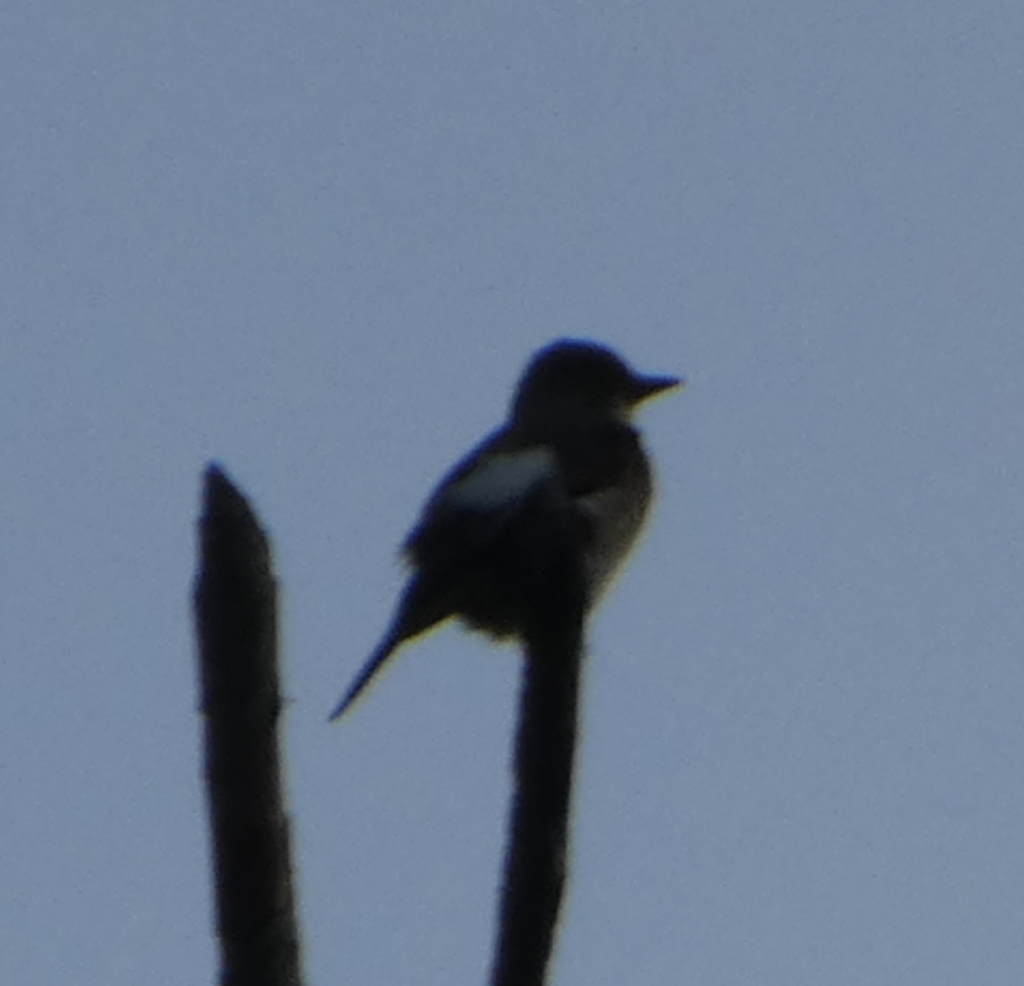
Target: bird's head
(578, 376)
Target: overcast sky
(317, 242)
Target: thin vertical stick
(537, 861)
(236, 628)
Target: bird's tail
(366, 675)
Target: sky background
(317, 242)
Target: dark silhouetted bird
(568, 446)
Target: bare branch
(236, 629)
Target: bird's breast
(617, 515)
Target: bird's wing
(477, 501)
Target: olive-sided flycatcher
(568, 440)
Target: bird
(568, 448)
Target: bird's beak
(648, 387)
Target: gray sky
(317, 242)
